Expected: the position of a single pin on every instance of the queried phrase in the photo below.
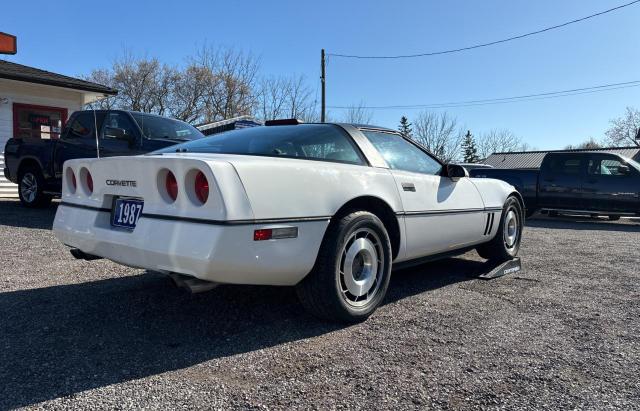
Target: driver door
(440, 214)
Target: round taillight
(70, 178)
(89, 182)
(202, 187)
(171, 184)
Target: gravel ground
(565, 333)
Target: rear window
(324, 142)
(565, 164)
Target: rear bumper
(220, 253)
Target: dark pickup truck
(36, 164)
(593, 183)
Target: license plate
(126, 212)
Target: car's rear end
(180, 214)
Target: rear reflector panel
(275, 233)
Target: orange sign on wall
(8, 44)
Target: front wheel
(506, 243)
(352, 271)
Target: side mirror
(624, 170)
(117, 133)
(455, 171)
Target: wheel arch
(28, 162)
(380, 209)
(520, 199)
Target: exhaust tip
(192, 284)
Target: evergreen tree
(470, 151)
(405, 127)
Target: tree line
(217, 84)
(213, 84)
(623, 131)
(443, 135)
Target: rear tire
(352, 271)
(30, 188)
(506, 243)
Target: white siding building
(36, 104)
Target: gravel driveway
(565, 333)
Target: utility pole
(322, 81)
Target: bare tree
(232, 93)
(215, 84)
(143, 84)
(358, 114)
(625, 130)
(285, 97)
(499, 141)
(188, 93)
(272, 99)
(138, 81)
(591, 143)
(440, 134)
(302, 105)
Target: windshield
(167, 128)
(307, 141)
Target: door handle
(409, 187)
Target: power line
(436, 53)
(505, 100)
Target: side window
(401, 154)
(606, 166)
(566, 165)
(82, 126)
(118, 126)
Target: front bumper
(219, 253)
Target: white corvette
(325, 207)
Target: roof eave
(26, 79)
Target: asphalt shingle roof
(19, 72)
(533, 159)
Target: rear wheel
(30, 188)
(506, 243)
(352, 271)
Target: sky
(74, 37)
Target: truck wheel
(614, 217)
(30, 186)
(506, 243)
(352, 271)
